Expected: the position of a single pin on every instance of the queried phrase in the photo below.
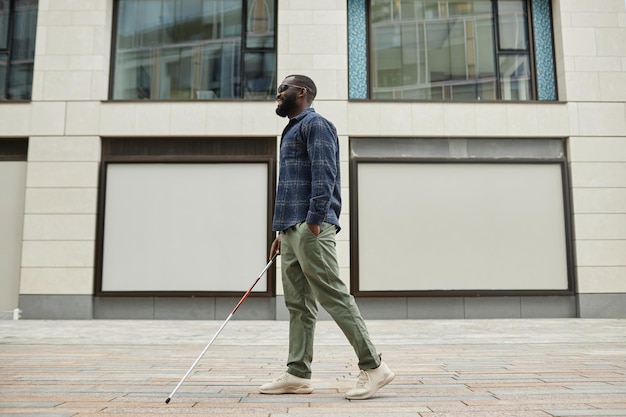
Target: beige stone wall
(12, 181)
(68, 115)
(70, 79)
(70, 112)
(593, 35)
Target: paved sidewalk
(478, 368)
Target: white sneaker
(370, 381)
(287, 384)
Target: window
(194, 50)
(18, 25)
(451, 50)
(479, 216)
(171, 212)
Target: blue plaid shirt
(309, 180)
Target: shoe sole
(301, 390)
(385, 381)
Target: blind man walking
(306, 219)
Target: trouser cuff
(306, 375)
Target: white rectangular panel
(456, 226)
(185, 227)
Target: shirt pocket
(293, 148)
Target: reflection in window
(195, 50)
(450, 50)
(5, 10)
(515, 77)
(18, 26)
(260, 24)
(512, 25)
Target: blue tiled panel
(544, 55)
(357, 49)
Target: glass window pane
(410, 10)
(259, 75)
(175, 74)
(427, 49)
(398, 61)
(210, 64)
(381, 11)
(218, 71)
(515, 77)
(133, 75)
(387, 56)
(4, 62)
(432, 10)
(487, 89)
(182, 49)
(24, 29)
(410, 55)
(16, 73)
(260, 24)
(512, 29)
(446, 51)
(450, 50)
(20, 81)
(224, 79)
(4, 23)
(464, 8)
(484, 56)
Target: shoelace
(283, 377)
(364, 379)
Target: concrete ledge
(398, 308)
(602, 306)
(6, 315)
(183, 308)
(373, 308)
(56, 307)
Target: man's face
(287, 100)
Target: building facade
(483, 149)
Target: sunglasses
(284, 87)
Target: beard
(287, 105)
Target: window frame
(497, 53)
(404, 157)
(171, 150)
(8, 52)
(244, 49)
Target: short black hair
(305, 81)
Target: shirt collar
(303, 114)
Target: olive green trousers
(310, 274)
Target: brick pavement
(477, 368)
